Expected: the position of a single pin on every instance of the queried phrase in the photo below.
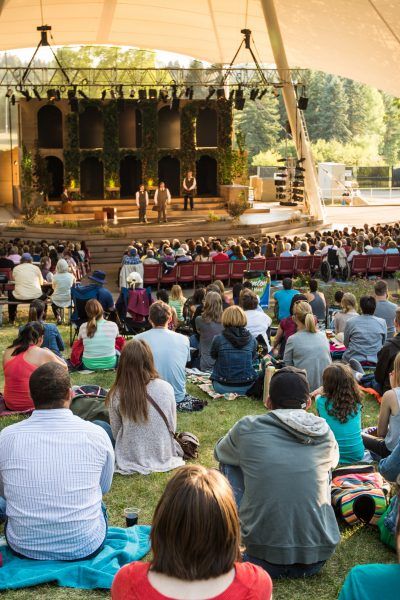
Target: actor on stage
(162, 197)
(189, 187)
(142, 201)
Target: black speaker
(302, 103)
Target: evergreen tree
(391, 140)
(315, 88)
(259, 123)
(334, 120)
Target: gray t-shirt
(364, 336)
(387, 310)
(207, 330)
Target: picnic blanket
(203, 381)
(122, 546)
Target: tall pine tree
(334, 120)
(259, 123)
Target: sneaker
(191, 404)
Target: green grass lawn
(359, 544)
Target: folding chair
(392, 263)
(203, 272)
(238, 268)
(80, 295)
(359, 264)
(302, 264)
(376, 264)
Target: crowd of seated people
(271, 494)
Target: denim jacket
(233, 365)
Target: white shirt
(62, 284)
(192, 187)
(258, 323)
(146, 197)
(168, 196)
(28, 281)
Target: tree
(390, 147)
(315, 88)
(259, 123)
(334, 120)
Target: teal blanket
(122, 546)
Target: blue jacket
(234, 351)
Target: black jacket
(386, 356)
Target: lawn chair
(80, 295)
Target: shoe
(165, 220)
(356, 366)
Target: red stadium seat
(375, 264)
(257, 264)
(392, 263)
(286, 266)
(151, 274)
(238, 268)
(222, 271)
(359, 264)
(271, 265)
(315, 264)
(203, 272)
(302, 264)
(186, 273)
(170, 276)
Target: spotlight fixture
(152, 94)
(300, 160)
(221, 94)
(302, 103)
(58, 95)
(37, 95)
(254, 94)
(143, 94)
(26, 95)
(282, 160)
(211, 92)
(189, 92)
(120, 91)
(82, 94)
(13, 99)
(163, 95)
(51, 95)
(239, 99)
(231, 94)
(112, 94)
(132, 93)
(103, 94)
(262, 93)
(9, 93)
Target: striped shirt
(54, 469)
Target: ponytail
(309, 323)
(29, 335)
(36, 310)
(94, 311)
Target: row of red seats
(203, 272)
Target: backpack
(359, 494)
(88, 403)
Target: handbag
(187, 441)
(154, 208)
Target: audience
(62, 283)
(279, 467)
(28, 283)
(143, 443)
(195, 542)
(384, 309)
(364, 335)
(98, 337)
(258, 322)
(20, 360)
(53, 499)
(103, 295)
(308, 348)
(52, 338)
(286, 328)
(317, 301)
(234, 351)
(348, 311)
(283, 298)
(340, 405)
(208, 325)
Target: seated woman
(317, 301)
(208, 325)
(382, 440)
(98, 336)
(340, 406)
(20, 360)
(234, 352)
(143, 443)
(62, 283)
(287, 327)
(258, 322)
(195, 542)
(52, 338)
(308, 348)
(347, 312)
(177, 300)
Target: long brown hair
(195, 533)
(135, 371)
(212, 311)
(94, 311)
(342, 392)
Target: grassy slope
(358, 544)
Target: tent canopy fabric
(359, 39)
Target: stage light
(9, 93)
(132, 93)
(211, 92)
(239, 99)
(143, 94)
(58, 95)
(262, 93)
(103, 94)
(26, 95)
(112, 94)
(254, 94)
(152, 94)
(231, 94)
(300, 160)
(51, 95)
(13, 99)
(302, 103)
(120, 90)
(164, 95)
(282, 160)
(38, 96)
(221, 94)
(82, 94)
(174, 91)
(189, 92)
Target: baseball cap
(289, 388)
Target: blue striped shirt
(54, 469)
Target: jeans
(107, 428)
(375, 445)
(220, 388)
(2, 510)
(236, 480)
(187, 197)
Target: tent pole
(299, 133)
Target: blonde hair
(212, 308)
(94, 311)
(396, 370)
(348, 302)
(303, 313)
(234, 316)
(177, 294)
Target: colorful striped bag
(359, 494)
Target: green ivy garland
(111, 145)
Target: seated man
(54, 470)
(364, 335)
(384, 308)
(171, 350)
(279, 467)
(283, 299)
(103, 295)
(28, 285)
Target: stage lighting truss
(289, 181)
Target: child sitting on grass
(177, 300)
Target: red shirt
(220, 257)
(250, 583)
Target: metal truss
(92, 79)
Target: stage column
(294, 115)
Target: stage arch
(50, 127)
(92, 178)
(206, 176)
(91, 128)
(55, 168)
(169, 171)
(130, 174)
(207, 128)
(130, 126)
(169, 128)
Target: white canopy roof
(359, 39)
